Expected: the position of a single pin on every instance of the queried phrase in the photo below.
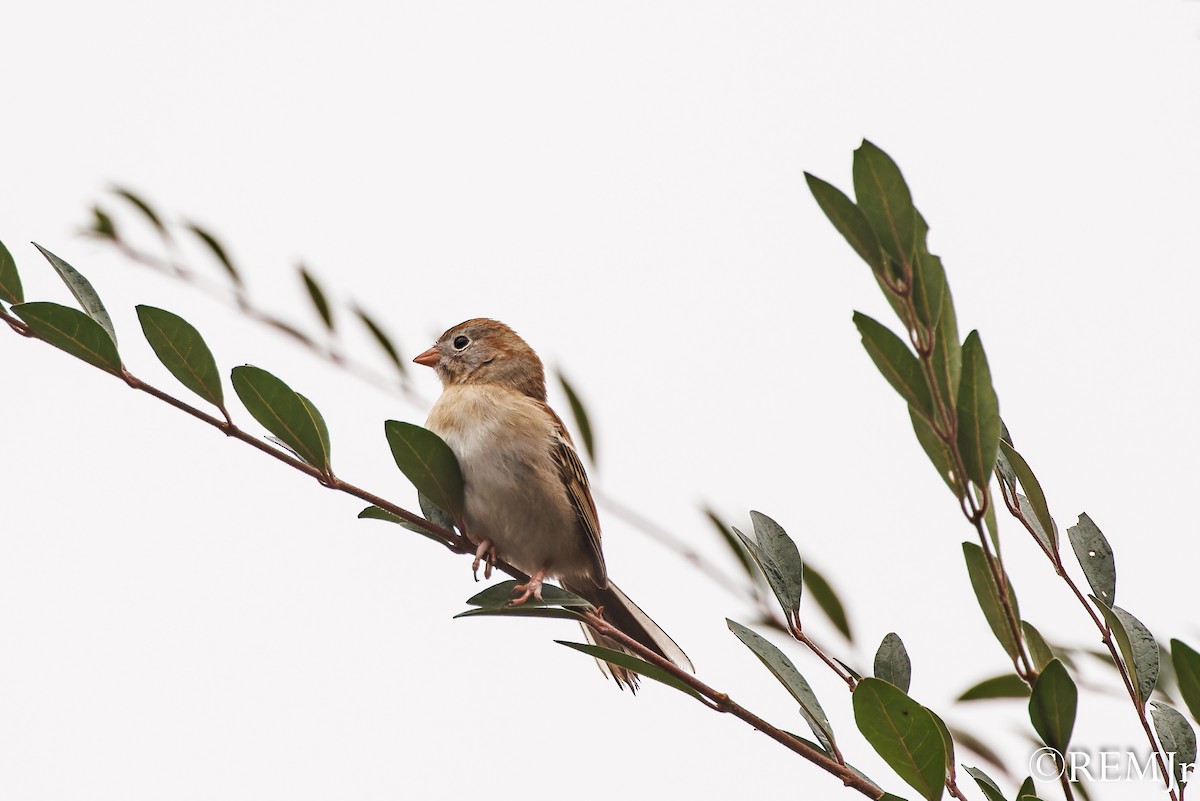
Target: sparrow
(526, 493)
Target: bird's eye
(461, 342)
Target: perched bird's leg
(485, 550)
(530, 589)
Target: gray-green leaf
(988, 595)
(317, 296)
(849, 220)
(1095, 556)
(785, 671)
(1187, 673)
(1139, 649)
(892, 663)
(83, 291)
(10, 279)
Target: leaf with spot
(903, 733)
(1139, 649)
(83, 291)
(317, 296)
(183, 352)
(10, 279)
(978, 413)
(427, 461)
(582, 424)
(283, 412)
(892, 663)
(1095, 556)
(896, 362)
(850, 222)
(73, 331)
(786, 673)
(1052, 706)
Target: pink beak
(429, 358)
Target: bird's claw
(485, 554)
(530, 589)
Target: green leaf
(72, 331)
(779, 561)
(629, 662)
(1139, 649)
(892, 663)
(1044, 529)
(582, 424)
(376, 513)
(10, 279)
(733, 543)
(823, 593)
(990, 791)
(929, 280)
(896, 362)
(427, 461)
(382, 340)
(1039, 649)
(183, 352)
(83, 291)
(786, 673)
(849, 220)
(885, 200)
(555, 612)
(935, 449)
(319, 422)
(902, 732)
(1009, 685)
(1027, 788)
(1177, 738)
(103, 226)
(947, 742)
(946, 357)
(1052, 706)
(978, 413)
(144, 208)
(502, 594)
(283, 412)
(988, 595)
(1187, 672)
(317, 296)
(1095, 556)
(218, 251)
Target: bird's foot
(485, 554)
(530, 589)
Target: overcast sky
(623, 184)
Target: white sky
(622, 183)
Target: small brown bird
(527, 498)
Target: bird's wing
(575, 480)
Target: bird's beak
(429, 358)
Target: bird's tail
(625, 615)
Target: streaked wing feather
(575, 479)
